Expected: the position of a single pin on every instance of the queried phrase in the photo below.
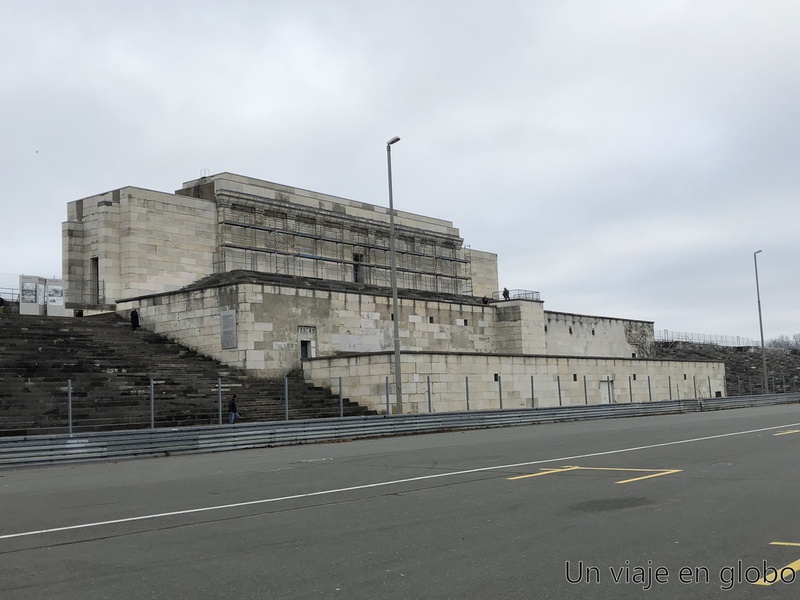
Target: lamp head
(394, 140)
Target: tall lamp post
(397, 385)
(761, 326)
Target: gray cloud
(623, 158)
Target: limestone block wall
(273, 322)
(192, 318)
(134, 242)
(526, 381)
(483, 270)
(166, 242)
(519, 327)
(585, 335)
(280, 324)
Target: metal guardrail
(18, 451)
(748, 401)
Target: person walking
(506, 294)
(134, 319)
(233, 413)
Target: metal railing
(16, 451)
(9, 294)
(517, 295)
(664, 335)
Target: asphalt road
(689, 506)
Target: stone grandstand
(111, 366)
(743, 365)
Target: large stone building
(273, 278)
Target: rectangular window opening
(358, 275)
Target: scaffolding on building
(276, 236)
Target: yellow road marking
(667, 472)
(795, 566)
(787, 432)
(547, 472)
(653, 472)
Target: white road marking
(382, 484)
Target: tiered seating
(110, 367)
(743, 365)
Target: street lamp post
(761, 326)
(397, 385)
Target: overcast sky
(624, 158)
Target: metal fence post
(152, 405)
(608, 387)
(341, 400)
(387, 396)
(694, 381)
(585, 392)
(649, 389)
(69, 406)
(286, 396)
(219, 398)
(558, 381)
(630, 389)
(466, 383)
(500, 389)
(669, 380)
(533, 394)
(710, 395)
(430, 406)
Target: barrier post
(387, 397)
(500, 389)
(341, 401)
(533, 394)
(152, 405)
(558, 381)
(649, 389)
(585, 392)
(219, 398)
(466, 382)
(430, 406)
(286, 397)
(69, 405)
(630, 389)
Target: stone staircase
(110, 368)
(743, 365)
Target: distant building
(273, 278)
